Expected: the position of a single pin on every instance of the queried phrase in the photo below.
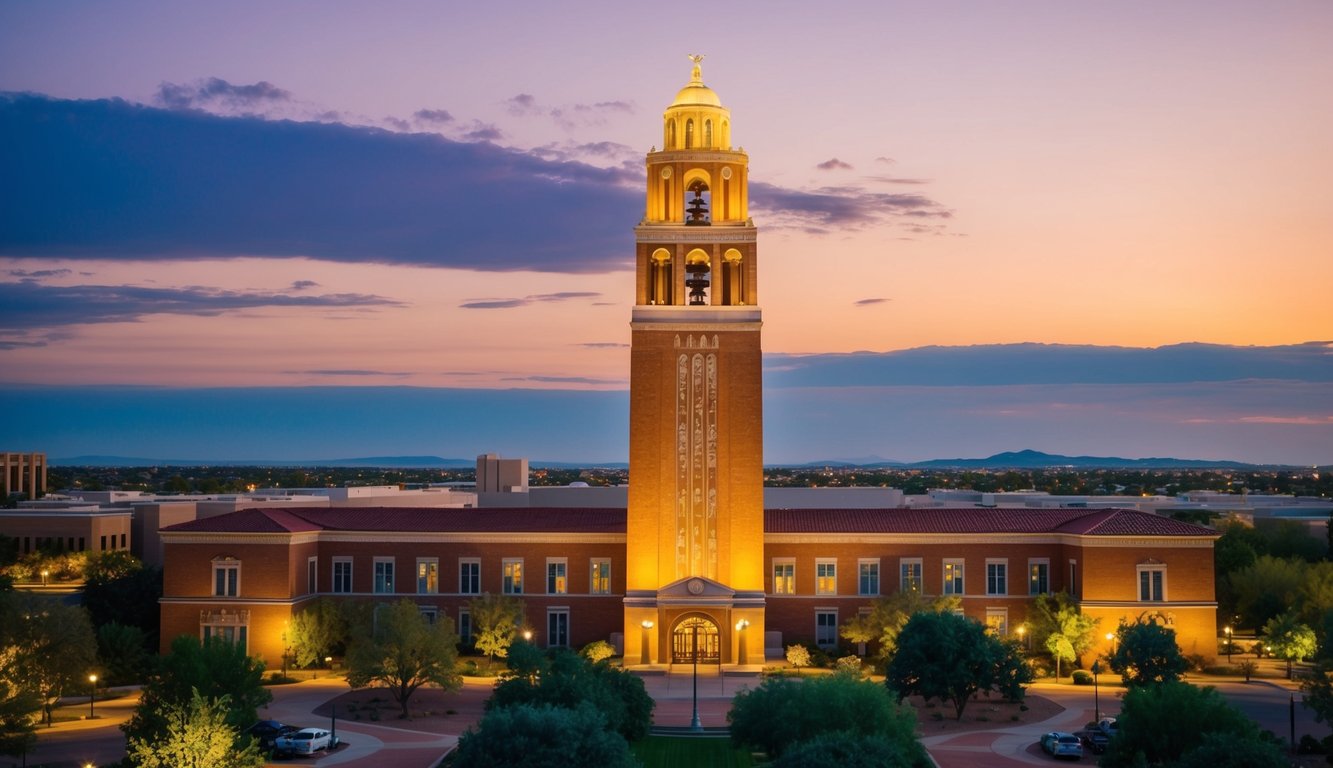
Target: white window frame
(465, 622)
(379, 585)
(595, 575)
(1000, 566)
(430, 613)
(903, 583)
(819, 612)
(786, 582)
(550, 637)
(1033, 564)
(312, 575)
(241, 633)
(861, 564)
(475, 573)
(947, 586)
(1000, 627)
(826, 584)
(561, 585)
(432, 576)
(333, 575)
(511, 576)
(231, 585)
(1140, 571)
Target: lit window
(997, 577)
(342, 574)
(469, 577)
(384, 575)
(784, 577)
(826, 628)
(226, 577)
(512, 576)
(868, 577)
(556, 583)
(600, 581)
(909, 574)
(1152, 583)
(428, 576)
(997, 621)
(826, 577)
(1039, 577)
(953, 577)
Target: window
(953, 577)
(1039, 577)
(826, 628)
(465, 626)
(512, 576)
(1152, 583)
(556, 583)
(312, 575)
(784, 577)
(1073, 578)
(230, 634)
(428, 575)
(122, 541)
(226, 577)
(557, 628)
(342, 574)
(826, 577)
(599, 582)
(226, 626)
(430, 613)
(469, 576)
(103, 544)
(868, 577)
(384, 574)
(997, 621)
(997, 577)
(909, 574)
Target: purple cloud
(216, 92)
(542, 298)
(436, 116)
(868, 302)
(833, 164)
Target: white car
(306, 741)
(1060, 744)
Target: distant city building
(497, 475)
(23, 474)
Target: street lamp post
(1023, 636)
(695, 723)
(740, 627)
(645, 654)
(1227, 631)
(1096, 698)
(45, 573)
(92, 694)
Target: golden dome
(695, 93)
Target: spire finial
(696, 73)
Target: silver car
(306, 741)
(1061, 744)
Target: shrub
(1082, 677)
(524, 734)
(598, 650)
(798, 656)
(850, 665)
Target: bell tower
(695, 526)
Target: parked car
(1107, 725)
(1094, 740)
(267, 731)
(306, 741)
(1061, 744)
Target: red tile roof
(1080, 521)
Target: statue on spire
(696, 74)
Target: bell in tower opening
(697, 282)
(697, 207)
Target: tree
(798, 655)
(841, 749)
(496, 619)
(1318, 690)
(18, 702)
(1267, 588)
(1146, 652)
(197, 735)
(598, 650)
(1236, 549)
(129, 599)
(1290, 639)
(1316, 596)
(215, 669)
(56, 647)
(563, 678)
(542, 736)
(889, 614)
(1159, 724)
(1230, 750)
(110, 565)
(783, 713)
(403, 651)
(950, 657)
(1060, 628)
(120, 650)
(317, 632)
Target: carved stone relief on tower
(696, 459)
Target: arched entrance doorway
(696, 632)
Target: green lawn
(673, 751)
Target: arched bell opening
(697, 202)
(671, 134)
(659, 277)
(696, 638)
(689, 134)
(696, 280)
(733, 278)
(708, 134)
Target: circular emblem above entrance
(696, 587)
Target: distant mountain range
(1025, 459)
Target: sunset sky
(321, 229)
